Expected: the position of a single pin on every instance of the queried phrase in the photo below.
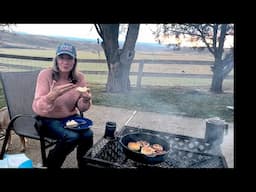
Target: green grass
(164, 81)
(168, 100)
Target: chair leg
(6, 138)
(38, 125)
(43, 151)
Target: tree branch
(99, 30)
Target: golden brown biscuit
(134, 146)
(82, 89)
(147, 150)
(157, 147)
(143, 143)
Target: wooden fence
(140, 74)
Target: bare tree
(213, 36)
(4, 27)
(118, 60)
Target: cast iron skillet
(136, 155)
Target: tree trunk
(217, 79)
(228, 63)
(218, 68)
(119, 60)
(118, 74)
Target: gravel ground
(194, 127)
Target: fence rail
(139, 73)
(148, 61)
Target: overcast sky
(89, 31)
(77, 30)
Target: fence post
(140, 73)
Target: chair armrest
(8, 131)
(38, 124)
(10, 125)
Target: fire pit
(185, 152)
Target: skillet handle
(118, 136)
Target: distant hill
(22, 40)
(25, 41)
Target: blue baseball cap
(66, 48)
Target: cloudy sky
(89, 31)
(76, 30)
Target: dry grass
(175, 94)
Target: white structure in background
(190, 41)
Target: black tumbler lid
(110, 130)
(111, 124)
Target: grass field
(94, 55)
(187, 96)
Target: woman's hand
(86, 95)
(56, 91)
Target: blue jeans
(68, 140)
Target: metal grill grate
(186, 152)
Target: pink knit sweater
(63, 106)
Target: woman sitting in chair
(57, 98)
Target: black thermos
(110, 130)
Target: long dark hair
(56, 72)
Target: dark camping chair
(18, 88)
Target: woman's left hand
(86, 96)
